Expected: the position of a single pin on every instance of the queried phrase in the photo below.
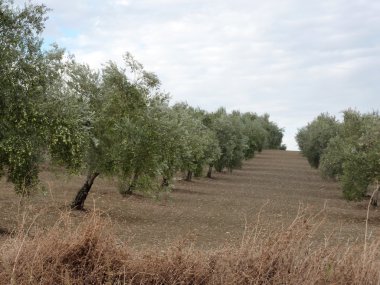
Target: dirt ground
(209, 212)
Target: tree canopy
(37, 114)
(313, 139)
(115, 121)
(348, 151)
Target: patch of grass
(90, 253)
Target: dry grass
(135, 240)
(90, 253)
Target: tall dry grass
(91, 254)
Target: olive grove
(115, 122)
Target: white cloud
(123, 2)
(292, 58)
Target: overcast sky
(292, 59)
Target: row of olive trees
(348, 151)
(136, 136)
(114, 122)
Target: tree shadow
(187, 191)
(4, 232)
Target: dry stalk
(367, 217)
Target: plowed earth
(268, 191)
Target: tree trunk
(81, 196)
(165, 182)
(189, 176)
(219, 167)
(132, 185)
(375, 197)
(209, 172)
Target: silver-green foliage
(37, 115)
(348, 152)
(314, 138)
(274, 133)
(200, 145)
(229, 130)
(255, 132)
(115, 121)
(353, 157)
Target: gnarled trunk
(81, 196)
(165, 182)
(132, 185)
(209, 172)
(189, 176)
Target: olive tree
(119, 128)
(31, 125)
(348, 152)
(172, 142)
(353, 156)
(331, 164)
(256, 134)
(186, 143)
(240, 135)
(229, 131)
(142, 151)
(274, 132)
(314, 138)
(200, 146)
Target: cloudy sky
(292, 59)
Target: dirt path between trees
(209, 212)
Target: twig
(367, 217)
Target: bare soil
(209, 212)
